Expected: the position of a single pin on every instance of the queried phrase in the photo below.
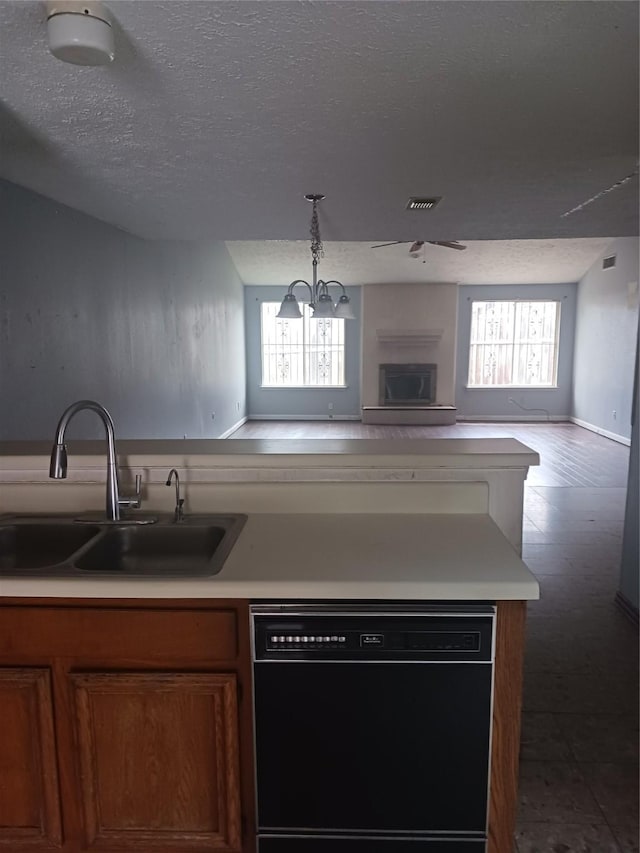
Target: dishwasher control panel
(365, 636)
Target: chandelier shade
(320, 299)
(343, 309)
(289, 310)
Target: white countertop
(337, 556)
(278, 453)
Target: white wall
(152, 330)
(629, 577)
(409, 307)
(605, 341)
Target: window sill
(304, 387)
(511, 387)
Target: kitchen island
(335, 475)
(415, 521)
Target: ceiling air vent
(607, 263)
(419, 203)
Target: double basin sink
(63, 546)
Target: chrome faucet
(58, 467)
(178, 514)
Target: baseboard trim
(232, 429)
(303, 418)
(516, 418)
(621, 439)
(623, 603)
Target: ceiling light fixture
(80, 32)
(321, 300)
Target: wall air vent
(607, 263)
(419, 203)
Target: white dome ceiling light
(80, 32)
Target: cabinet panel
(128, 636)
(507, 706)
(29, 798)
(159, 760)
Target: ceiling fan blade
(450, 244)
(395, 243)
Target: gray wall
(152, 330)
(629, 569)
(494, 402)
(300, 402)
(606, 324)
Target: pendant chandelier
(321, 300)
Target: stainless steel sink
(173, 549)
(60, 547)
(33, 546)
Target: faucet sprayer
(178, 513)
(58, 465)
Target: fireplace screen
(407, 384)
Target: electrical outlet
(238, 406)
(213, 416)
(615, 414)
(330, 407)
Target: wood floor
(569, 454)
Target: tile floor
(579, 749)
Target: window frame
(304, 306)
(556, 347)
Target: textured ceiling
(482, 262)
(216, 118)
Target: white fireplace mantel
(408, 337)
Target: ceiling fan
(418, 244)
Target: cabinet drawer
(123, 634)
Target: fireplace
(408, 384)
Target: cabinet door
(159, 760)
(29, 798)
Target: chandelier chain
(317, 249)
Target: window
(514, 344)
(306, 352)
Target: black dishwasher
(373, 728)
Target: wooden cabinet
(128, 726)
(29, 796)
(125, 726)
